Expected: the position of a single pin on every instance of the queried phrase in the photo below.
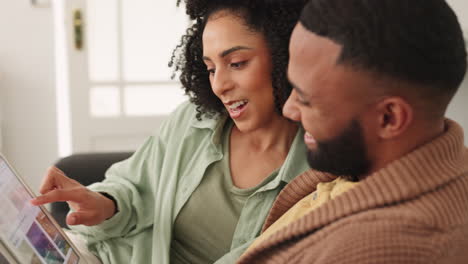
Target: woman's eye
(238, 65)
(211, 71)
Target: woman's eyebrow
(228, 51)
(231, 50)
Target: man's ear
(395, 115)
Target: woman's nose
(221, 82)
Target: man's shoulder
(368, 237)
(435, 219)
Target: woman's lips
(236, 113)
(309, 139)
(237, 108)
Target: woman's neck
(277, 135)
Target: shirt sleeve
(131, 183)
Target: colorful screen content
(25, 229)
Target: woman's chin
(244, 126)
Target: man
(390, 173)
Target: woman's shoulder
(185, 110)
(185, 116)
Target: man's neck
(395, 149)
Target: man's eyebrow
(297, 89)
(229, 51)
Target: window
(130, 44)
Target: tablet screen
(25, 229)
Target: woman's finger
(60, 195)
(54, 178)
(87, 218)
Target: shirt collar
(296, 161)
(294, 164)
(215, 124)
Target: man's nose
(290, 109)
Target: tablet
(29, 234)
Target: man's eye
(302, 101)
(238, 65)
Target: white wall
(458, 109)
(27, 92)
(461, 9)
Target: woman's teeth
(237, 104)
(309, 139)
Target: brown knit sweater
(415, 210)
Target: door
(113, 83)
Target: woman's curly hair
(275, 19)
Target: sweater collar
(420, 171)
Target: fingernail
(72, 220)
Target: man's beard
(344, 155)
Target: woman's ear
(395, 115)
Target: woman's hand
(90, 208)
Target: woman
(199, 192)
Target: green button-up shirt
(152, 186)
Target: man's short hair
(416, 41)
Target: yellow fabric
(326, 191)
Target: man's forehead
(312, 57)
(306, 43)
